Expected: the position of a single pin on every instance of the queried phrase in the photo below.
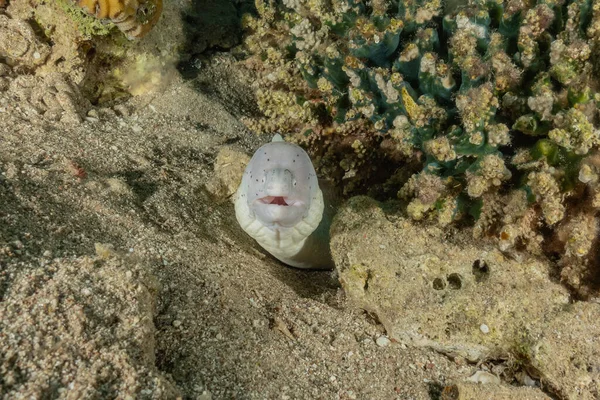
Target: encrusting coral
(485, 103)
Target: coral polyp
(135, 18)
(477, 103)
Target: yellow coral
(447, 213)
(146, 74)
(412, 108)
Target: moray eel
(279, 203)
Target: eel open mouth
(277, 200)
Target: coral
(491, 172)
(95, 56)
(134, 18)
(574, 132)
(496, 98)
(547, 192)
(69, 50)
(87, 24)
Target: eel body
(279, 203)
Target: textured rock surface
(229, 168)
(19, 45)
(54, 96)
(441, 290)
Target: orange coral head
(134, 18)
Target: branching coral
(497, 100)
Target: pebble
(206, 395)
(93, 113)
(258, 323)
(484, 377)
(177, 323)
(484, 328)
(527, 380)
(382, 341)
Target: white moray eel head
(279, 202)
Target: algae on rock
(437, 288)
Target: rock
(19, 45)
(437, 290)
(54, 96)
(428, 288)
(484, 377)
(382, 341)
(229, 168)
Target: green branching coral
(486, 98)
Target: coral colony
(491, 107)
